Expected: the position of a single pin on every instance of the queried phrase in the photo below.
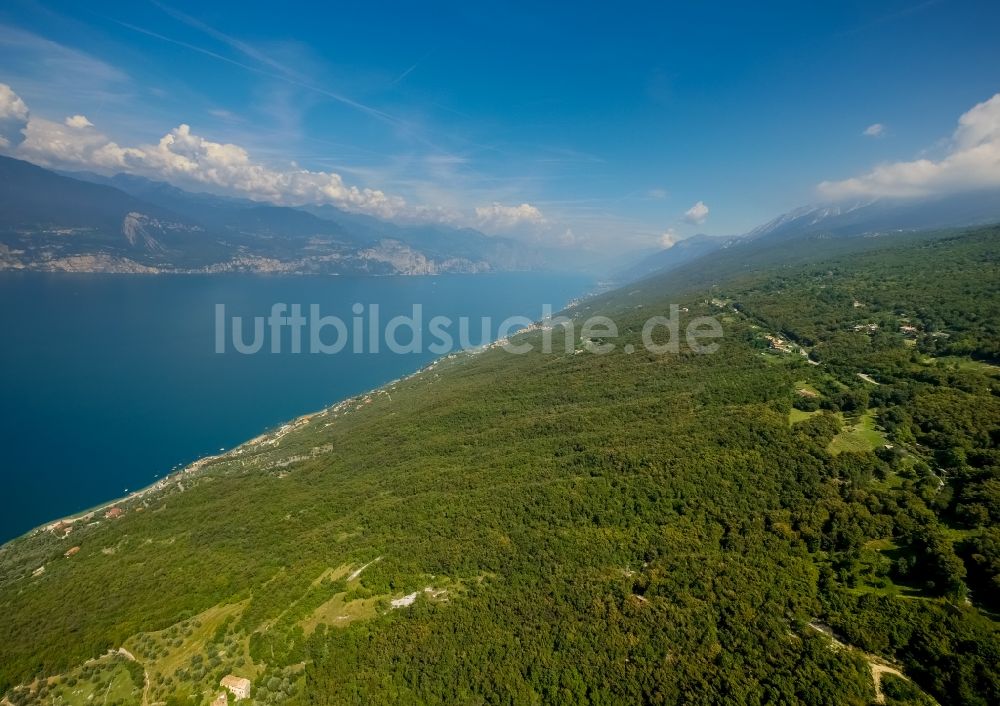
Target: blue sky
(575, 124)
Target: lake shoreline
(124, 374)
(268, 436)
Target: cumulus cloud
(697, 213)
(874, 130)
(14, 117)
(57, 144)
(78, 121)
(183, 157)
(972, 162)
(496, 216)
(190, 160)
(668, 238)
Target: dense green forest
(772, 523)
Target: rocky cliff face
(403, 259)
(138, 230)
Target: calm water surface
(109, 381)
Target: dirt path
(876, 664)
(357, 572)
(145, 674)
(877, 671)
(145, 687)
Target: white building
(238, 686)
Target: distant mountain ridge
(87, 222)
(26, 200)
(862, 218)
(680, 253)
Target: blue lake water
(111, 380)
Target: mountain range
(869, 218)
(124, 223)
(87, 222)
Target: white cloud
(668, 238)
(11, 105)
(657, 194)
(697, 213)
(567, 239)
(874, 130)
(13, 117)
(57, 144)
(496, 216)
(78, 121)
(183, 157)
(189, 160)
(972, 162)
(979, 125)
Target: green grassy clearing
(859, 436)
(107, 681)
(797, 415)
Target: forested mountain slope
(582, 528)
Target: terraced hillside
(582, 528)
